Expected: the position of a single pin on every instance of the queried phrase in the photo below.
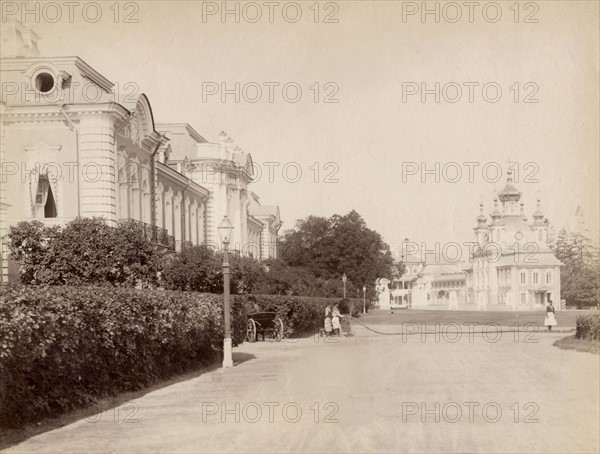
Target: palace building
(511, 266)
(72, 147)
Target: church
(510, 266)
(72, 146)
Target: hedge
(588, 327)
(66, 347)
(299, 314)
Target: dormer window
(44, 82)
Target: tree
(200, 269)
(87, 251)
(194, 268)
(579, 277)
(328, 248)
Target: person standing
(550, 320)
(328, 324)
(335, 320)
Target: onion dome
(509, 193)
(224, 137)
(538, 216)
(481, 219)
(496, 215)
(523, 212)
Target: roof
(510, 189)
(438, 269)
(449, 277)
(529, 259)
(265, 210)
(169, 127)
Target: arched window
(45, 205)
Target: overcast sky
(371, 58)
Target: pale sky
(367, 56)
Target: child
(328, 324)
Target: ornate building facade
(71, 147)
(511, 266)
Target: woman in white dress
(328, 323)
(335, 320)
(550, 320)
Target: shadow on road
(10, 437)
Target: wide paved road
(367, 393)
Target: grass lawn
(565, 319)
(580, 345)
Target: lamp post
(225, 228)
(364, 299)
(344, 278)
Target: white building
(511, 267)
(71, 148)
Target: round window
(44, 82)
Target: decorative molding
(42, 146)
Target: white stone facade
(511, 266)
(69, 148)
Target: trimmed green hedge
(299, 314)
(65, 347)
(588, 327)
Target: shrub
(200, 269)
(65, 347)
(588, 327)
(87, 251)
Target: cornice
(86, 70)
(27, 113)
(168, 173)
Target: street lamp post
(364, 299)
(344, 278)
(225, 229)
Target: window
(44, 82)
(45, 206)
(523, 298)
(523, 277)
(549, 277)
(536, 278)
(540, 235)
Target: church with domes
(512, 266)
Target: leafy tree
(200, 269)
(85, 251)
(318, 251)
(579, 277)
(246, 273)
(29, 245)
(328, 248)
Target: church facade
(71, 146)
(510, 267)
